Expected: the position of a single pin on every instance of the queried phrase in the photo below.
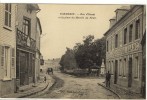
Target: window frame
(120, 67)
(125, 36)
(24, 24)
(137, 73)
(7, 69)
(8, 24)
(116, 40)
(107, 45)
(131, 33)
(137, 29)
(124, 67)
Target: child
(44, 78)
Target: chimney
(120, 12)
(112, 21)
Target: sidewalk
(32, 88)
(122, 92)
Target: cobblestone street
(67, 86)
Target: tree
(99, 50)
(90, 52)
(82, 53)
(68, 60)
(85, 55)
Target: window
(112, 68)
(120, 67)
(26, 26)
(125, 36)
(124, 68)
(136, 68)
(137, 31)
(116, 40)
(130, 33)
(109, 66)
(107, 46)
(5, 60)
(8, 15)
(111, 43)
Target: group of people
(108, 77)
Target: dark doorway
(23, 69)
(116, 72)
(130, 73)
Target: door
(130, 73)
(116, 72)
(23, 69)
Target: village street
(71, 87)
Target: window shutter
(0, 54)
(2, 51)
(12, 57)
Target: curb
(109, 90)
(34, 92)
(44, 90)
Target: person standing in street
(108, 77)
(45, 79)
(52, 70)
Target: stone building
(26, 44)
(7, 49)
(123, 47)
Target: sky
(59, 32)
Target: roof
(38, 20)
(113, 18)
(119, 20)
(127, 8)
(33, 6)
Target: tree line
(84, 55)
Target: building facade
(26, 31)
(38, 54)
(7, 49)
(123, 48)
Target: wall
(7, 38)
(22, 12)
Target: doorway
(23, 69)
(130, 73)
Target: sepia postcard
(72, 51)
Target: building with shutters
(27, 44)
(20, 31)
(7, 49)
(123, 47)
